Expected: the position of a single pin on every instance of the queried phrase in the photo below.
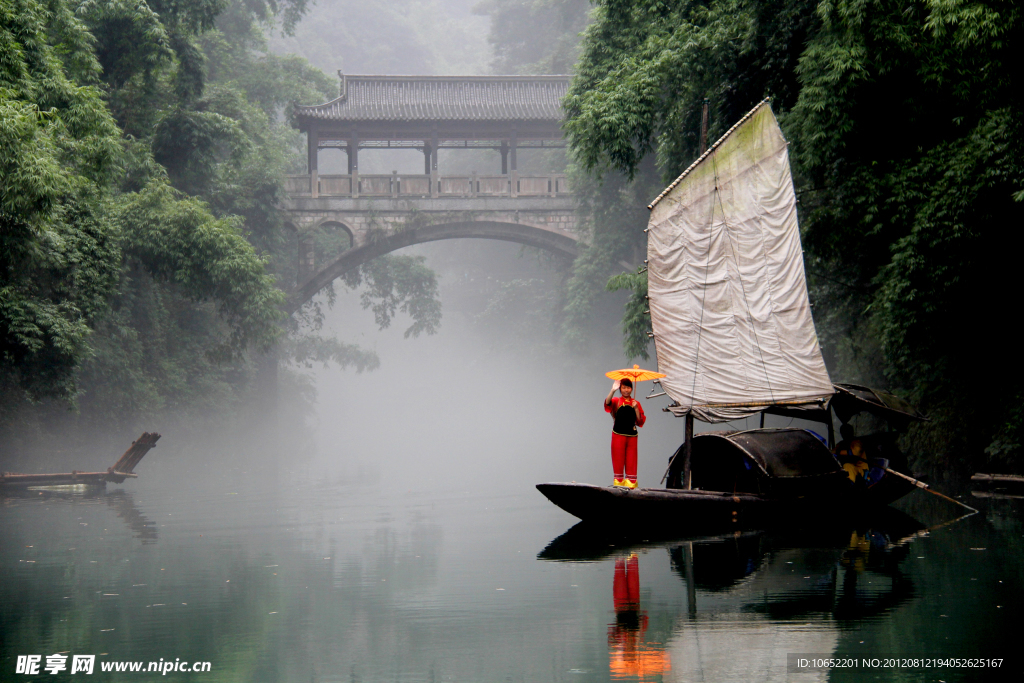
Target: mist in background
(401, 37)
(493, 400)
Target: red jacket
(619, 401)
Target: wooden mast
(688, 452)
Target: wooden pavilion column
(513, 178)
(352, 147)
(312, 152)
(512, 148)
(434, 189)
(504, 157)
(427, 152)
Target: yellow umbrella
(635, 374)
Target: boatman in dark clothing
(628, 416)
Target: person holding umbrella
(628, 415)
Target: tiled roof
(444, 98)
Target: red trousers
(624, 456)
(626, 584)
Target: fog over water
(466, 408)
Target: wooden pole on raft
(688, 452)
(924, 487)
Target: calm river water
(293, 577)
(400, 538)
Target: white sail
(731, 318)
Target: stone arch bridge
(382, 213)
(378, 226)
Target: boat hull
(682, 509)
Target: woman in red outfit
(628, 416)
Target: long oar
(924, 487)
(925, 532)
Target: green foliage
(636, 323)
(58, 151)
(179, 241)
(308, 349)
(399, 283)
(905, 121)
(613, 213)
(647, 66)
(115, 289)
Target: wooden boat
(117, 473)
(742, 479)
(735, 338)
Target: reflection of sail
(774, 594)
(750, 650)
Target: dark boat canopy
(851, 399)
(780, 452)
(788, 461)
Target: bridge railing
(433, 185)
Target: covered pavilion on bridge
(429, 113)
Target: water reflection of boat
(751, 596)
(787, 581)
(780, 598)
(735, 339)
(589, 542)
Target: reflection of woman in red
(628, 654)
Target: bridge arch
(334, 224)
(329, 232)
(548, 239)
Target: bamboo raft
(1004, 479)
(121, 470)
